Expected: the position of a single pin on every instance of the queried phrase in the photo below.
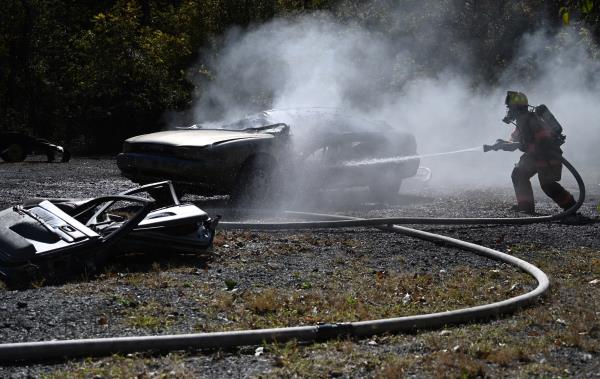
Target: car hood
(195, 137)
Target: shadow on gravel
(140, 263)
(27, 163)
(353, 200)
(120, 264)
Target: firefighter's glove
(501, 145)
(510, 146)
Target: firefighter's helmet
(516, 98)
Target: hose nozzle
(501, 145)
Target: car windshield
(254, 121)
(325, 119)
(308, 120)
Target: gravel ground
(155, 293)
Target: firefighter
(542, 154)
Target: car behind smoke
(273, 152)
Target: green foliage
(585, 10)
(230, 284)
(126, 68)
(587, 6)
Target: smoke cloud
(317, 61)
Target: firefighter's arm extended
(502, 145)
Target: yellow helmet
(515, 98)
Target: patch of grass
(504, 356)
(150, 316)
(337, 358)
(267, 301)
(230, 284)
(456, 365)
(393, 366)
(144, 321)
(117, 366)
(366, 295)
(522, 248)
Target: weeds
(150, 316)
(132, 366)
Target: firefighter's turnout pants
(549, 173)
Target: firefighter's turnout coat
(542, 155)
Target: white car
(273, 151)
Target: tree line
(91, 73)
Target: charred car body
(255, 155)
(53, 238)
(15, 147)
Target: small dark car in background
(15, 147)
(275, 151)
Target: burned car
(46, 238)
(15, 147)
(275, 151)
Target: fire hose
(44, 350)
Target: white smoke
(305, 62)
(316, 61)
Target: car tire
(256, 185)
(14, 153)
(66, 156)
(385, 191)
(50, 156)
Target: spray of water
(373, 161)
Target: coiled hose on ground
(45, 350)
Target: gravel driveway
(258, 279)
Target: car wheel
(50, 155)
(256, 184)
(385, 190)
(66, 156)
(14, 153)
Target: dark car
(15, 147)
(275, 151)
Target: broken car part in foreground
(58, 237)
(15, 147)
